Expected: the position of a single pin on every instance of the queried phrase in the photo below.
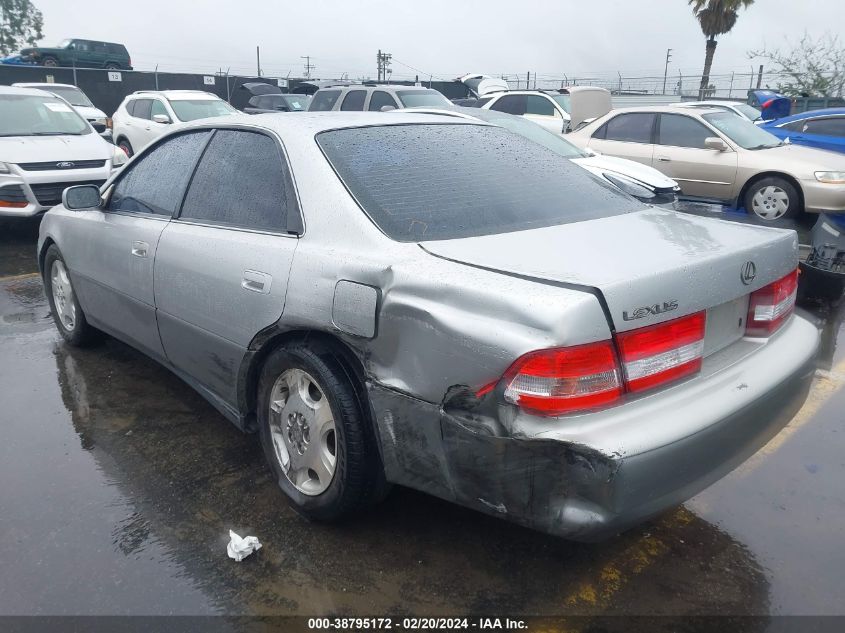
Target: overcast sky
(439, 37)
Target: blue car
(824, 129)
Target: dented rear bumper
(588, 477)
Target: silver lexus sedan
(504, 331)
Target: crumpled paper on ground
(239, 548)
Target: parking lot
(121, 484)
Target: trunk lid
(650, 266)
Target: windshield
(191, 109)
(750, 112)
(531, 131)
(442, 181)
(296, 103)
(564, 102)
(418, 98)
(74, 96)
(741, 131)
(64, 44)
(32, 115)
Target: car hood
(652, 257)
(632, 169)
(797, 159)
(36, 149)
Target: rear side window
(156, 182)
(832, 126)
(536, 104)
(416, 187)
(142, 108)
(512, 104)
(354, 100)
(634, 127)
(379, 99)
(130, 107)
(682, 131)
(242, 182)
(324, 100)
(116, 49)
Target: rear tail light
(661, 353)
(769, 307)
(575, 379)
(564, 380)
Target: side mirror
(714, 142)
(387, 108)
(161, 118)
(81, 197)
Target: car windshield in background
(297, 103)
(416, 186)
(74, 96)
(741, 131)
(421, 98)
(31, 115)
(323, 100)
(564, 102)
(191, 109)
(751, 112)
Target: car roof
(173, 95)
(699, 104)
(14, 90)
(38, 84)
(809, 114)
(670, 109)
(369, 86)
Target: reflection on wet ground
(120, 485)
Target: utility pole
(666, 68)
(383, 65)
(258, 60)
(760, 77)
(308, 66)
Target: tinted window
(834, 126)
(130, 107)
(240, 182)
(414, 185)
(536, 104)
(481, 102)
(681, 131)
(633, 128)
(324, 100)
(512, 104)
(795, 126)
(157, 181)
(192, 109)
(142, 108)
(116, 49)
(354, 100)
(100, 47)
(379, 99)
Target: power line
(308, 65)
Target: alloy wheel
(63, 298)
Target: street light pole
(666, 68)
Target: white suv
(145, 115)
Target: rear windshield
(33, 115)
(192, 109)
(421, 98)
(446, 181)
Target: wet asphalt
(119, 484)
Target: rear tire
(315, 433)
(771, 199)
(50, 62)
(126, 146)
(112, 66)
(67, 313)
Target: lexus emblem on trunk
(748, 273)
(64, 165)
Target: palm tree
(716, 17)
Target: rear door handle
(256, 281)
(664, 159)
(139, 249)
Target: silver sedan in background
(504, 332)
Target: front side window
(158, 108)
(681, 131)
(193, 109)
(354, 100)
(633, 127)
(380, 99)
(512, 104)
(564, 101)
(416, 187)
(831, 126)
(240, 182)
(535, 104)
(324, 100)
(741, 131)
(34, 115)
(156, 182)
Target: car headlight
(4, 169)
(831, 177)
(119, 157)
